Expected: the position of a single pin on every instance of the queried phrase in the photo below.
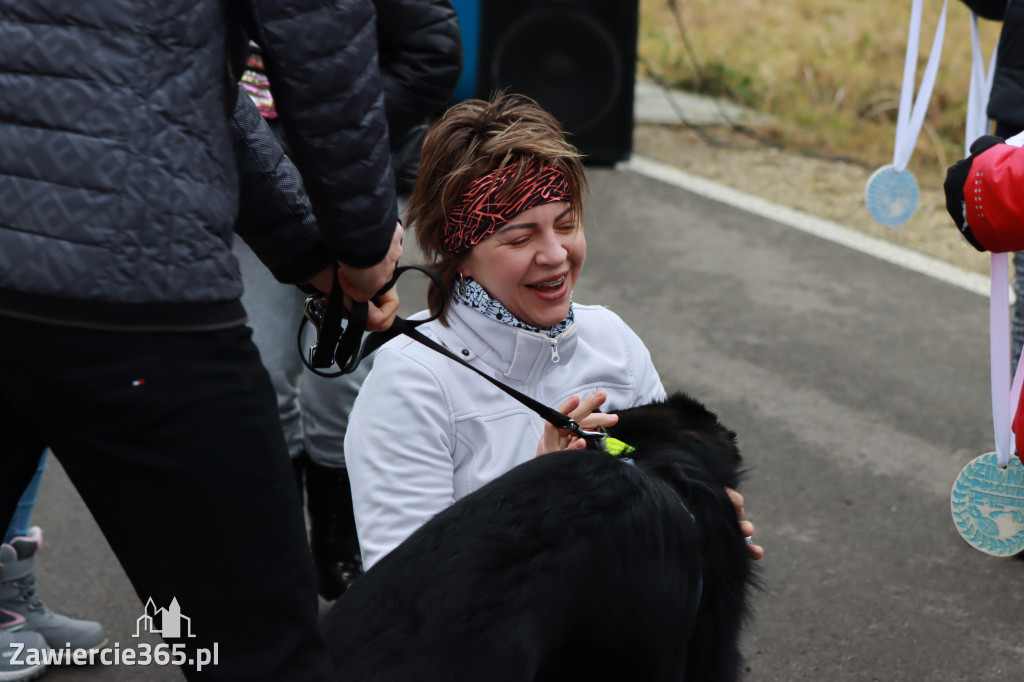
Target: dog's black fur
(573, 566)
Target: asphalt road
(858, 389)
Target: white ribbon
(910, 116)
(1004, 397)
(979, 89)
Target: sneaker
(21, 655)
(18, 594)
(11, 621)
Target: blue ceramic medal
(891, 196)
(988, 505)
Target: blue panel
(468, 12)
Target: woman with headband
(497, 212)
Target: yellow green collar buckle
(616, 448)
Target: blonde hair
(475, 137)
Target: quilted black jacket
(420, 48)
(118, 183)
(273, 208)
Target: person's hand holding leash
(362, 284)
(582, 411)
(383, 310)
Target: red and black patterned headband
(481, 210)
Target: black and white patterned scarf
(469, 292)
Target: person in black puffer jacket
(420, 48)
(420, 61)
(122, 337)
(1006, 100)
(1006, 108)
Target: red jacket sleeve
(994, 198)
(1018, 430)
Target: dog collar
(615, 447)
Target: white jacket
(425, 431)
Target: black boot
(333, 530)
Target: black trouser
(174, 443)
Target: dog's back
(574, 566)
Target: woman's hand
(756, 551)
(582, 411)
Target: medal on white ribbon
(988, 505)
(891, 193)
(987, 500)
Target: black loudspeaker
(577, 58)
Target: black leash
(345, 346)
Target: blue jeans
(23, 512)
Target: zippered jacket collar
(515, 353)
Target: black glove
(956, 177)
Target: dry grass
(829, 71)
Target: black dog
(574, 566)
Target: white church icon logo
(166, 622)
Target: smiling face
(531, 263)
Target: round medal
(988, 505)
(891, 196)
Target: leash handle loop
(343, 344)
